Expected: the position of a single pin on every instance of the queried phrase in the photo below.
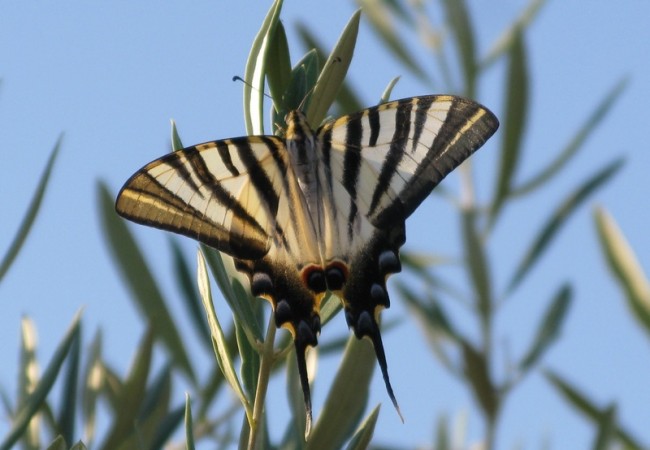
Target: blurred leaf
(221, 351)
(363, 436)
(131, 396)
(505, 41)
(559, 218)
(626, 268)
(385, 96)
(78, 446)
(349, 393)
(68, 407)
(255, 71)
(112, 387)
(189, 426)
(441, 437)
(606, 429)
(549, 328)
(140, 281)
(58, 443)
(458, 18)
(477, 373)
(93, 384)
(575, 143)
(514, 123)
(40, 393)
(157, 395)
(347, 98)
(333, 73)
(477, 263)
(30, 215)
(191, 300)
(431, 313)
(28, 380)
(240, 301)
(177, 144)
(380, 18)
(166, 427)
(278, 66)
(586, 406)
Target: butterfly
(316, 211)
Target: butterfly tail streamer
(301, 351)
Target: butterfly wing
(388, 159)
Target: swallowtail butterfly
(317, 211)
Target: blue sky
(110, 77)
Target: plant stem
(267, 358)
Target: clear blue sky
(111, 76)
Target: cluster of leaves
(141, 410)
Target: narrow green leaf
(238, 298)
(505, 41)
(68, 411)
(363, 436)
(28, 380)
(587, 407)
(457, 17)
(294, 436)
(255, 71)
(559, 217)
(477, 373)
(191, 300)
(40, 393)
(93, 384)
(296, 96)
(333, 73)
(225, 360)
(166, 427)
(349, 393)
(514, 123)
(157, 395)
(132, 395)
(177, 144)
(575, 143)
(250, 361)
(112, 386)
(436, 325)
(380, 19)
(278, 66)
(189, 425)
(432, 314)
(549, 328)
(606, 429)
(385, 96)
(347, 99)
(30, 215)
(478, 265)
(441, 437)
(79, 446)
(622, 261)
(135, 271)
(58, 443)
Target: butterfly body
(317, 211)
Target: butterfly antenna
(301, 350)
(238, 78)
(375, 335)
